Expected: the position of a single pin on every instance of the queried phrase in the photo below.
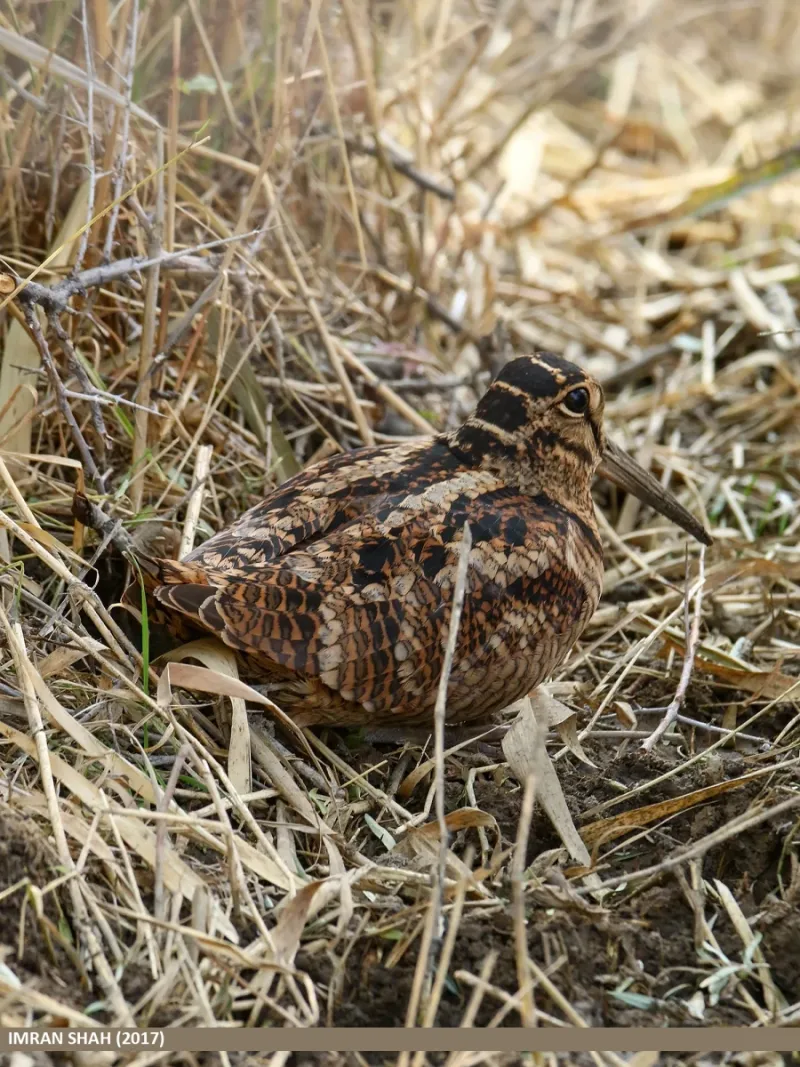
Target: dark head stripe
(543, 375)
(504, 407)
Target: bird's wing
(366, 608)
(311, 504)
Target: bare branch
(55, 299)
(32, 321)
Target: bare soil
(631, 963)
(645, 941)
(35, 946)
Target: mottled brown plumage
(338, 587)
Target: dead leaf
(421, 843)
(206, 649)
(284, 782)
(625, 714)
(644, 1059)
(552, 714)
(549, 711)
(772, 685)
(413, 778)
(222, 679)
(460, 819)
(57, 661)
(203, 679)
(568, 732)
(294, 914)
(604, 830)
(524, 749)
(116, 765)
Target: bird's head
(540, 425)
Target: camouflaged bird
(338, 587)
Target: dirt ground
(645, 942)
(35, 937)
(632, 962)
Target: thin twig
(446, 956)
(32, 322)
(692, 641)
(111, 530)
(527, 1013)
(88, 387)
(403, 166)
(440, 717)
(122, 157)
(433, 917)
(148, 338)
(90, 161)
(686, 720)
(440, 709)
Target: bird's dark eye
(576, 402)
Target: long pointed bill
(622, 470)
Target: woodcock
(338, 587)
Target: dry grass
(330, 208)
